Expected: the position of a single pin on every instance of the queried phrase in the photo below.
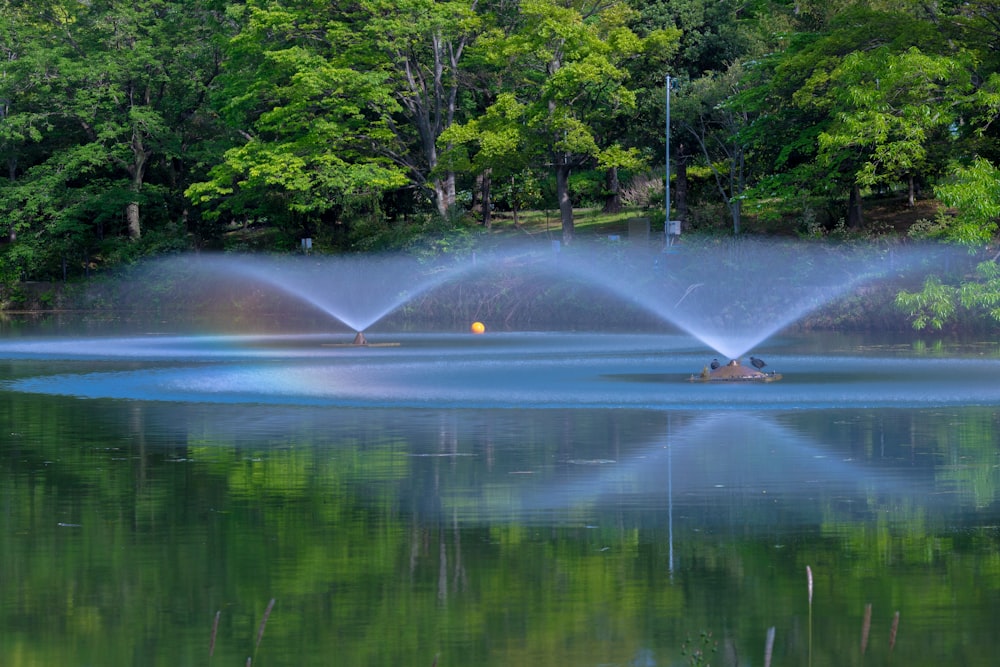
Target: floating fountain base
(360, 341)
(734, 372)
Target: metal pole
(666, 219)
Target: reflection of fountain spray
(749, 458)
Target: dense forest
(139, 128)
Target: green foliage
(564, 88)
(188, 120)
(312, 127)
(973, 191)
(587, 188)
(937, 303)
(103, 105)
(520, 191)
(886, 111)
(984, 293)
(930, 307)
(426, 236)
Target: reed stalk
(866, 626)
(892, 631)
(263, 622)
(215, 630)
(769, 647)
(260, 631)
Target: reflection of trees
(949, 448)
(380, 536)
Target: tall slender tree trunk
(132, 217)
(613, 200)
(681, 183)
(444, 188)
(12, 176)
(441, 198)
(855, 217)
(137, 170)
(449, 190)
(486, 201)
(11, 168)
(565, 203)
(738, 187)
(431, 100)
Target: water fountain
(733, 294)
(729, 296)
(355, 290)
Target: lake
(531, 499)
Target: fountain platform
(734, 371)
(366, 344)
(361, 341)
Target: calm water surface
(510, 499)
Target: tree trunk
(440, 198)
(855, 218)
(477, 192)
(443, 192)
(12, 176)
(137, 170)
(681, 184)
(565, 203)
(132, 217)
(912, 199)
(486, 199)
(613, 200)
(739, 187)
(449, 190)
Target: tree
(710, 113)
(891, 108)
(841, 104)
(101, 95)
(566, 90)
(310, 122)
(419, 45)
(492, 144)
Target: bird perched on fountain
(757, 363)
(714, 364)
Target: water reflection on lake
(522, 499)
